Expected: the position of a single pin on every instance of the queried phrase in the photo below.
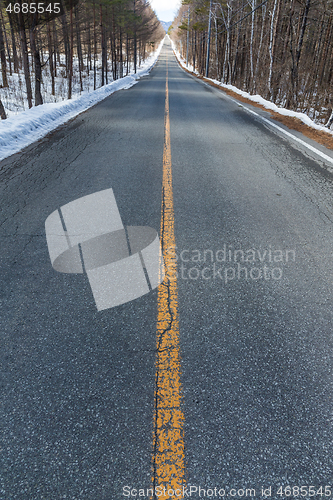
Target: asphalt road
(256, 340)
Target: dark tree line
(105, 38)
(281, 49)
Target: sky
(165, 9)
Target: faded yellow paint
(169, 449)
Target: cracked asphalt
(254, 235)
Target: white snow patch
(20, 130)
(182, 61)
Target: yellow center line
(168, 445)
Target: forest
(279, 49)
(67, 40)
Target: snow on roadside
(20, 130)
(257, 98)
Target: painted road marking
(288, 134)
(168, 443)
(325, 157)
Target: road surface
(252, 222)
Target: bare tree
(3, 115)
(3, 57)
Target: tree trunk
(71, 47)
(95, 43)
(325, 50)
(264, 9)
(14, 48)
(88, 42)
(234, 69)
(226, 65)
(65, 35)
(113, 58)
(127, 54)
(3, 58)
(37, 65)
(105, 55)
(135, 37)
(7, 44)
(3, 115)
(330, 120)
(253, 5)
(194, 50)
(272, 42)
(102, 43)
(301, 36)
(24, 50)
(79, 46)
(56, 53)
(295, 55)
(49, 41)
(121, 62)
(114, 48)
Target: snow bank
(25, 128)
(257, 98)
